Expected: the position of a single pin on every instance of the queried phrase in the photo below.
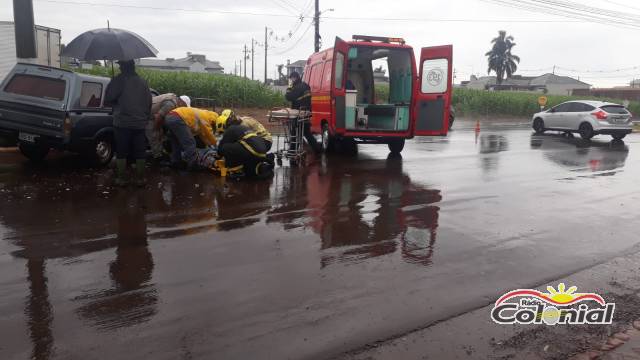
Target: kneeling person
(228, 118)
(183, 124)
(243, 148)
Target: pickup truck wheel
(102, 151)
(396, 146)
(35, 153)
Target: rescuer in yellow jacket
(183, 124)
(229, 118)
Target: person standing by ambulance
(299, 94)
(129, 96)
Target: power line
(166, 8)
(285, 6)
(298, 16)
(448, 20)
(297, 42)
(574, 11)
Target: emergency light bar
(379, 38)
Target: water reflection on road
(358, 208)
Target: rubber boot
(121, 173)
(140, 170)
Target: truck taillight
(67, 126)
(600, 115)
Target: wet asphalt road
(316, 262)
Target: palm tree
(501, 60)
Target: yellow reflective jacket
(256, 127)
(201, 122)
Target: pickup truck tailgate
(32, 119)
(33, 100)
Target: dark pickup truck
(43, 108)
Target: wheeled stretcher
(292, 145)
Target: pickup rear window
(37, 86)
(615, 109)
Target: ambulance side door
(338, 84)
(432, 92)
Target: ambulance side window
(339, 70)
(316, 77)
(326, 76)
(435, 74)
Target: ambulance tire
(327, 142)
(348, 146)
(396, 146)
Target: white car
(588, 118)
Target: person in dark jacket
(243, 150)
(299, 94)
(129, 96)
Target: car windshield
(614, 109)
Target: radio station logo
(559, 306)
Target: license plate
(27, 137)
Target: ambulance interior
(375, 103)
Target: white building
(48, 47)
(192, 63)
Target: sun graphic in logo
(562, 295)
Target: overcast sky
(593, 50)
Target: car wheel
(102, 151)
(35, 153)
(396, 146)
(586, 131)
(327, 139)
(538, 126)
(618, 136)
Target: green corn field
(509, 103)
(225, 90)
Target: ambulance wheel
(396, 146)
(327, 140)
(349, 146)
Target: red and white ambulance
(351, 104)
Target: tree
(500, 58)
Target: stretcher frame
(292, 145)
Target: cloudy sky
(602, 54)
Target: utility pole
(266, 48)
(245, 60)
(253, 43)
(316, 20)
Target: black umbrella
(109, 44)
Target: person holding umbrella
(129, 96)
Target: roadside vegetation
(512, 103)
(226, 90)
(470, 102)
